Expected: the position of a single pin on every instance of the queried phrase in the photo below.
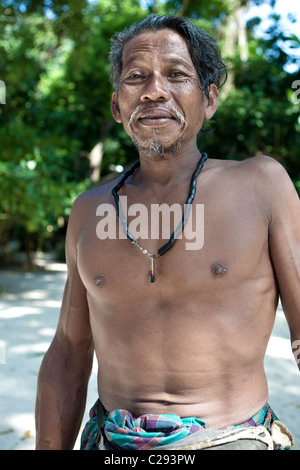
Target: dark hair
(204, 50)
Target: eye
(178, 75)
(134, 77)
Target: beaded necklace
(163, 249)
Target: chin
(156, 147)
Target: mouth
(156, 118)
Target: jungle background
(57, 135)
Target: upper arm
(284, 241)
(74, 327)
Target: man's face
(160, 101)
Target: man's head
(166, 73)
(203, 49)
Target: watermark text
(2, 92)
(296, 350)
(159, 222)
(2, 352)
(296, 94)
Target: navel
(99, 280)
(219, 269)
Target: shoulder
(260, 170)
(84, 207)
(262, 179)
(273, 188)
(270, 176)
(263, 165)
(259, 163)
(87, 201)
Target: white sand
(29, 308)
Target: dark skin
(193, 342)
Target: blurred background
(57, 135)
(58, 139)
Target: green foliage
(260, 116)
(57, 108)
(54, 62)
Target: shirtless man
(191, 343)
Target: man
(180, 357)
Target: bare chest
(223, 243)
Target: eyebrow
(167, 60)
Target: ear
(115, 108)
(212, 102)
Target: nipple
(99, 280)
(219, 269)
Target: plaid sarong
(124, 432)
(148, 431)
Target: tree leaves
(54, 63)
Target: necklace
(163, 249)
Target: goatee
(156, 148)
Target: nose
(155, 90)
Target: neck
(169, 168)
(167, 246)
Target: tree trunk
(96, 154)
(235, 38)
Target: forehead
(163, 44)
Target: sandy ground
(29, 308)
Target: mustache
(141, 108)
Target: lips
(156, 114)
(156, 117)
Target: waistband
(120, 430)
(261, 432)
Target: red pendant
(151, 272)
